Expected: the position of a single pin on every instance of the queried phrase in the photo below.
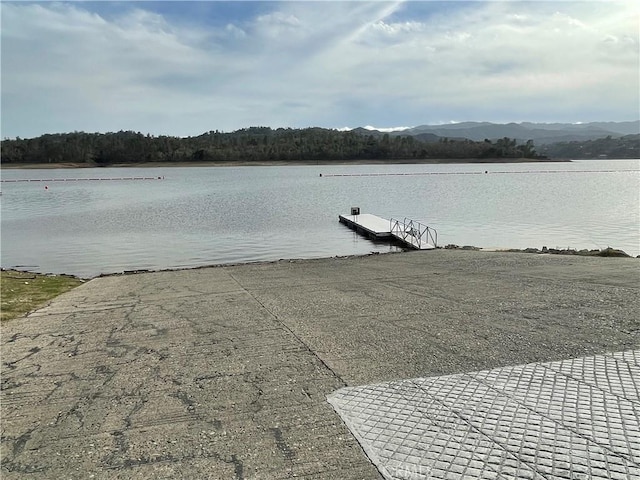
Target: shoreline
(275, 163)
(605, 252)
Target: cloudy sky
(184, 68)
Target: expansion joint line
(288, 329)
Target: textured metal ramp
(577, 418)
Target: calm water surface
(208, 215)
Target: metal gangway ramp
(414, 234)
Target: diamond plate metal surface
(577, 418)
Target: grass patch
(22, 292)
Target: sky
(184, 68)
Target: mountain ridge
(540, 133)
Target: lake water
(198, 216)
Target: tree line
(255, 144)
(627, 146)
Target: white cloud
(387, 129)
(489, 55)
(316, 63)
(118, 74)
(235, 31)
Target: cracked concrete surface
(223, 372)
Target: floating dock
(408, 232)
(369, 225)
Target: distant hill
(627, 146)
(540, 133)
(257, 144)
(469, 141)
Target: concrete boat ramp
(575, 418)
(440, 365)
(409, 233)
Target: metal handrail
(413, 232)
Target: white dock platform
(410, 233)
(371, 225)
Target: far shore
(275, 163)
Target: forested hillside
(255, 144)
(624, 147)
